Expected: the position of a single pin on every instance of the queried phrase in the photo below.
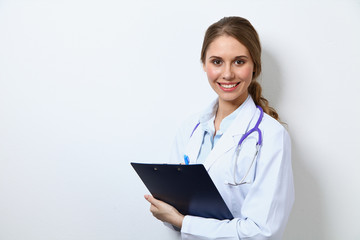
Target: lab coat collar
(246, 112)
(195, 141)
(209, 112)
(242, 121)
(235, 131)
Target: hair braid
(255, 92)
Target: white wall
(88, 86)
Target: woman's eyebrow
(214, 57)
(242, 56)
(237, 57)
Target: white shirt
(208, 127)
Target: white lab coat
(260, 208)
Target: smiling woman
(247, 153)
(245, 36)
(229, 68)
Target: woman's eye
(216, 62)
(239, 62)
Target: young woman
(240, 141)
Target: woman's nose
(228, 73)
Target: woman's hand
(165, 212)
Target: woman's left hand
(165, 212)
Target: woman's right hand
(165, 212)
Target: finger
(152, 200)
(153, 209)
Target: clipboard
(188, 188)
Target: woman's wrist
(178, 220)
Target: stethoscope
(238, 147)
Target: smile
(228, 87)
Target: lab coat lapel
(233, 134)
(196, 139)
(194, 145)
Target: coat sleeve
(267, 205)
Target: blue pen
(186, 159)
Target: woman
(256, 186)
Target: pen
(186, 159)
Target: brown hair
(242, 30)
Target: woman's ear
(204, 67)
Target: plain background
(86, 87)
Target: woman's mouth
(228, 87)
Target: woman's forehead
(226, 45)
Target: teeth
(228, 86)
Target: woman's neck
(225, 108)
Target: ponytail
(255, 92)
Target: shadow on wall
(306, 220)
(271, 79)
(307, 217)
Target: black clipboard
(188, 188)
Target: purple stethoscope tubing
(255, 128)
(258, 145)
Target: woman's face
(229, 68)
